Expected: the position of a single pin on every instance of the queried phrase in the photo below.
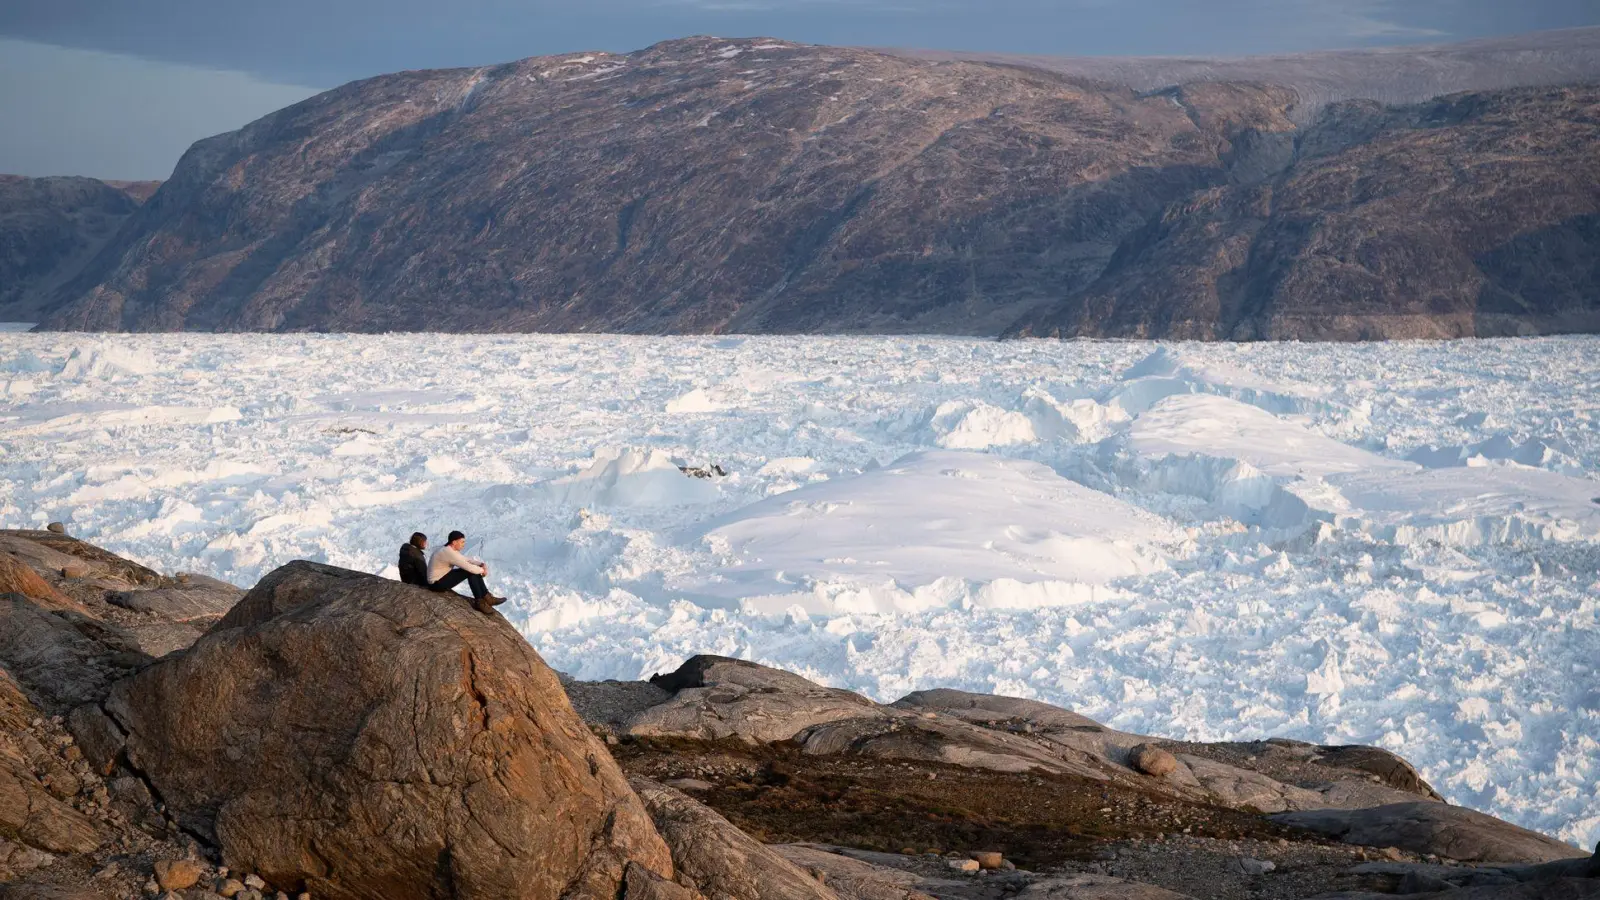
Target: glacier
(1389, 543)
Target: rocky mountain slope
(51, 227)
(705, 185)
(334, 734)
(1455, 217)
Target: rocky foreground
(707, 185)
(333, 734)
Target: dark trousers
(455, 577)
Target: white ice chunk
(977, 426)
(629, 477)
(1219, 427)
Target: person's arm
(461, 562)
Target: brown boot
(495, 601)
(484, 605)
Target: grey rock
(995, 711)
(1245, 789)
(1246, 865)
(611, 704)
(931, 740)
(98, 737)
(194, 600)
(161, 638)
(714, 697)
(1419, 883)
(56, 528)
(1437, 828)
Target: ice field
(1395, 544)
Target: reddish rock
(365, 739)
(1152, 760)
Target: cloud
(82, 112)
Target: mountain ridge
(756, 185)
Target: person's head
(419, 540)
(457, 540)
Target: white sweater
(446, 558)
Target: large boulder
(1449, 831)
(360, 738)
(719, 860)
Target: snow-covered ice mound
(1265, 470)
(1208, 425)
(630, 477)
(1165, 373)
(930, 521)
(1540, 453)
(1471, 505)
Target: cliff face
(1475, 214)
(49, 227)
(707, 185)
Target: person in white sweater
(448, 567)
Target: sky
(120, 88)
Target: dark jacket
(413, 566)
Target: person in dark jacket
(413, 565)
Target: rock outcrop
(715, 697)
(706, 185)
(356, 737)
(128, 607)
(711, 698)
(1363, 795)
